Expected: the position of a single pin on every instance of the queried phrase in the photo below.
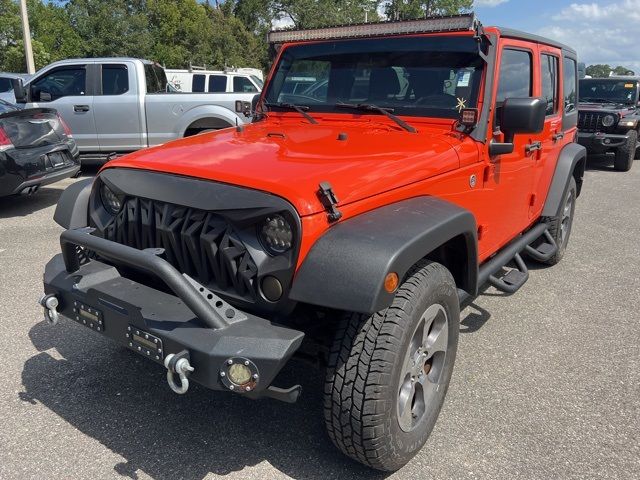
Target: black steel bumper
(601, 141)
(156, 324)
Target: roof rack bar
(464, 22)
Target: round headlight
(276, 234)
(608, 120)
(110, 200)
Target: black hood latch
(329, 201)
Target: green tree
(410, 9)
(10, 31)
(319, 13)
(619, 70)
(598, 70)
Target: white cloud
(597, 32)
(488, 3)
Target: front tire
(388, 373)
(626, 153)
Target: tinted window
(217, 83)
(243, 85)
(5, 85)
(570, 91)
(549, 75)
(156, 78)
(420, 76)
(197, 83)
(515, 75)
(61, 82)
(115, 79)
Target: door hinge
(532, 147)
(329, 201)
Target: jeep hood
(291, 160)
(612, 107)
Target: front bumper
(601, 141)
(156, 324)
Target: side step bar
(516, 278)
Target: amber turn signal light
(391, 282)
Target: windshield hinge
(329, 201)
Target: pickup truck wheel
(626, 153)
(560, 226)
(388, 373)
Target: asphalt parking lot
(546, 384)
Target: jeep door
(510, 176)
(553, 137)
(69, 89)
(117, 111)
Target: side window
(243, 85)
(549, 75)
(570, 86)
(115, 79)
(197, 83)
(60, 82)
(515, 75)
(218, 83)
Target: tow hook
(50, 304)
(178, 364)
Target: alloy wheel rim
(423, 367)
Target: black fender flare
(73, 205)
(571, 161)
(346, 267)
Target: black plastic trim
(346, 267)
(571, 162)
(72, 209)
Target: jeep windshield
(603, 90)
(433, 76)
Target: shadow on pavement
(122, 400)
(22, 205)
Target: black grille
(591, 121)
(201, 244)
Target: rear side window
(515, 75)
(549, 75)
(217, 83)
(570, 88)
(243, 85)
(60, 82)
(115, 79)
(198, 82)
(156, 78)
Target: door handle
(558, 136)
(80, 108)
(532, 147)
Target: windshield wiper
(301, 109)
(368, 107)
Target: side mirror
(45, 96)
(518, 115)
(18, 90)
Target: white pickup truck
(117, 105)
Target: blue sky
(604, 31)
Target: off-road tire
(365, 370)
(626, 153)
(556, 223)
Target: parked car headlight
(276, 234)
(608, 120)
(110, 200)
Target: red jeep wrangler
(392, 170)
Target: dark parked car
(36, 149)
(609, 118)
